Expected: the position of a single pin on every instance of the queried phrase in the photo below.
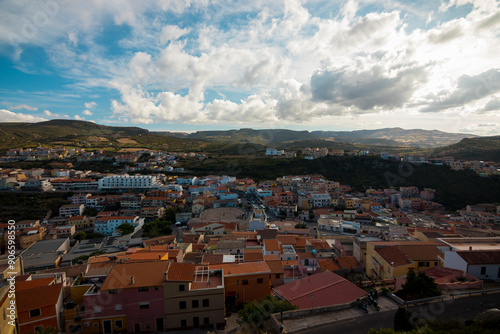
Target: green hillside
(482, 148)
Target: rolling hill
(481, 148)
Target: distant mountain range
(244, 141)
(387, 137)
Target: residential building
(483, 264)
(194, 297)
(108, 225)
(39, 305)
(246, 281)
(129, 182)
(70, 210)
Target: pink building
(131, 299)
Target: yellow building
(8, 312)
(394, 259)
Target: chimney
(132, 280)
(470, 248)
(165, 276)
(159, 256)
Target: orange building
(246, 281)
(39, 304)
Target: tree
(311, 214)
(80, 236)
(125, 228)
(300, 226)
(256, 312)
(418, 286)
(402, 320)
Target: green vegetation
(301, 226)
(403, 320)
(483, 148)
(418, 286)
(31, 206)
(256, 312)
(455, 189)
(157, 228)
(126, 228)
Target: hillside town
(95, 266)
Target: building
(129, 182)
(131, 298)
(108, 225)
(245, 281)
(483, 264)
(319, 290)
(194, 297)
(39, 305)
(70, 210)
(45, 254)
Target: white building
(108, 225)
(129, 182)
(71, 210)
(321, 199)
(483, 264)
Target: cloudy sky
(186, 65)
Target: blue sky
(182, 65)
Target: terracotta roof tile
(181, 272)
(481, 257)
(271, 258)
(326, 287)
(272, 245)
(144, 274)
(38, 297)
(253, 255)
(328, 264)
(243, 268)
(34, 283)
(347, 262)
(275, 266)
(393, 255)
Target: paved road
(459, 309)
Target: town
(169, 251)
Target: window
(206, 321)
(195, 303)
(182, 287)
(260, 280)
(182, 305)
(38, 329)
(278, 276)
(148, 325)
(244, 282)
(143, 289)
(157, 288)
(183, 323)
(143, 306)
(97, 309)
(483, 270)
(35, 313)
(118, 307)
(118, 323)
(112, 292)
(206, 302)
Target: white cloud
(172, 33)
(48, 113)
(90, 105)
(87, 112)
(9, 116)
(79, 118)
(23, 106)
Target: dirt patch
(94, 138)
(126, 141)
(132, 149)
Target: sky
(189, 65)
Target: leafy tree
(311, 214)
(402, 320)
(301, 226)
(94, 235)
(126, 228)
(157, 227)
(256, 312)
(80, 236)
(418, 286)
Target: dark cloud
(492, 105)
(490, 21)
(446, 35)
(367, 89)
(469, 88)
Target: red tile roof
(181, 272)
(275, 266)
(272, 245)
(347, 262)
(252, 255)
(393, 256)
(243, 268)
(38, 297)
(481, 257)
(144, 273)
(328, 264)
(25, 285)
(327, 289)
